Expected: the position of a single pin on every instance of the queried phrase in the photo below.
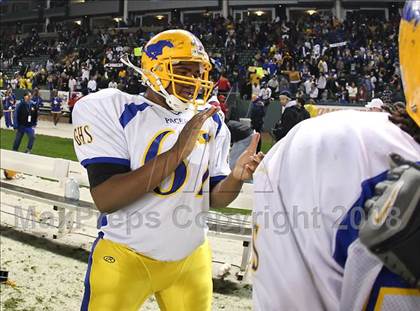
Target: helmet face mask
(168, 67)
(198, 83)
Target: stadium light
(117, 19)
(78, 22)
(259, 13)
(160, 17)
(311, 12)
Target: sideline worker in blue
(25, 120)
(8, 104)
(36, 99)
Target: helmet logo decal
(156, 49)
(411, 12)
(197, 47)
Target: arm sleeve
(35, 122)
(219, 152)
(98, 135)
(15, 117)
(100, 172)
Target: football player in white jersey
(310, 193)
(155, 166)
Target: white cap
(375, 103)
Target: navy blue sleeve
(15, 117)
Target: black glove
(391, 229)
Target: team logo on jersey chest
(82, 135)
(203, 137)
(175, 120)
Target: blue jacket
(22, 113)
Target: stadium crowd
(317, 57)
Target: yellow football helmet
(165, 50)
(409, 42)
(9, 174)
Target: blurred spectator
(241, 136)
(36, 99)
(308, 85)
(321, 83)
(368, 86)
(223, 84)
(294, 78)
(134, 87)
(387, 95)
(257, 117)
(322, 66)
(22, 82)
(56, 107)
(273, 84)
(284, 85)
(293, 113)
(113, 84)
(343, 96)
(375, 105)
(265, 94)
(223, 106)
(122, 74)
(313, 93)
(92, 85)
(14, 82)
(300, 104)
(8, 107)
(352, 90)
(72, 84)
(255, 90)
(72, 101)
(85, 72)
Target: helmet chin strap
(174, 102)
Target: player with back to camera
(155, 165)
(312, 187)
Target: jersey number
(179, 176)
(255, 257)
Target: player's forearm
(225, 192)
(123, 189)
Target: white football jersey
(169, 223)
(310, 192)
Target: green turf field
(49, 146)
(57, 147)
(266, 145)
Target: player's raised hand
(248, 161)
(189, 134)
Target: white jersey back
(310, 191)
(116, 127)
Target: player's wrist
(236, 175)
(176, 154)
